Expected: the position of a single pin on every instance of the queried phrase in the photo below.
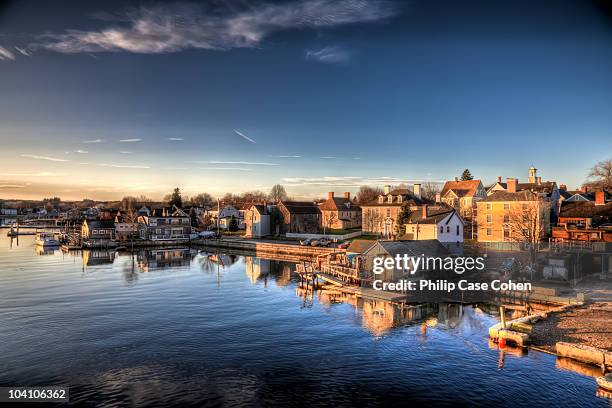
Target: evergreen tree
(176, 198)
(466, 175)
(402, 219)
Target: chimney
(563, 187)
(438, 197)
(499, 179)
(512, 185)
(600, 198)
(539, 181)
(416, 189)
(456, 178)
(424, 211)
(330, 195)
(347, 196)
(386, 189)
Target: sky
(107, 99)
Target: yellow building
(513, 216)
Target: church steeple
(533, 174)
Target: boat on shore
(46, 239)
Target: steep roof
(407, 196)
(100, 224)
(544, 187)
(338, 204)
(585, 209)
(173, 211)
(435, 214)
(524, 195)
(359, 246)
(301, 207)
(427, 247)
(463, 188)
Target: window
(381, 199)
(489, 218)
(388, 212)
(506, 218)
(399, 198)
(441, 230)
(457, 230)
(525, 206)
(447, 229)
(489, 231)
(489, 206)
(390, 198)
(506, 206)
(506, 233)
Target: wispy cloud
(124, 166)
(81, 151)
(328, 157)
(8, 186)
(23, 51)
(154, 29)
(344, 181)
(286, 156)
(245, 137)
(37, 157)
(5, 54)
(175, 139)
(93, 141)
(225, 168)
(246, 163)
(37, 174)
(134, 140)
(329, 55)
(124, 152)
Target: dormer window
(399, 198)
(381, 199)
(390, 198)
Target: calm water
(185, 328)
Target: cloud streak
(175, 27)
(124, 166)
(245, 137)
(93, 141)
(5, 54)
(135, 140)
(225, 168)
(344, 181)
(48, 158)
(175, 139)
(247, 163)
(329, 55)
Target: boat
(46, 239)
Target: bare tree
(329, 218)
(278, 193)
(527, 222)
(202, 200)
(600, 175)
(371, 220)
(430, 189)
(367, 194)
(253, 197)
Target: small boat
(46, 239)
(605, 382)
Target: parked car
(207, 234)
(306, 242)
(314, 242)
(324, 242)
(344, 245)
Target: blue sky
(334, 94)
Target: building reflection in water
(163, 258)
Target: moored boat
(46, 239)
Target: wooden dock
(366, 293)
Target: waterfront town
(510, 212)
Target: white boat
(46, 239)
